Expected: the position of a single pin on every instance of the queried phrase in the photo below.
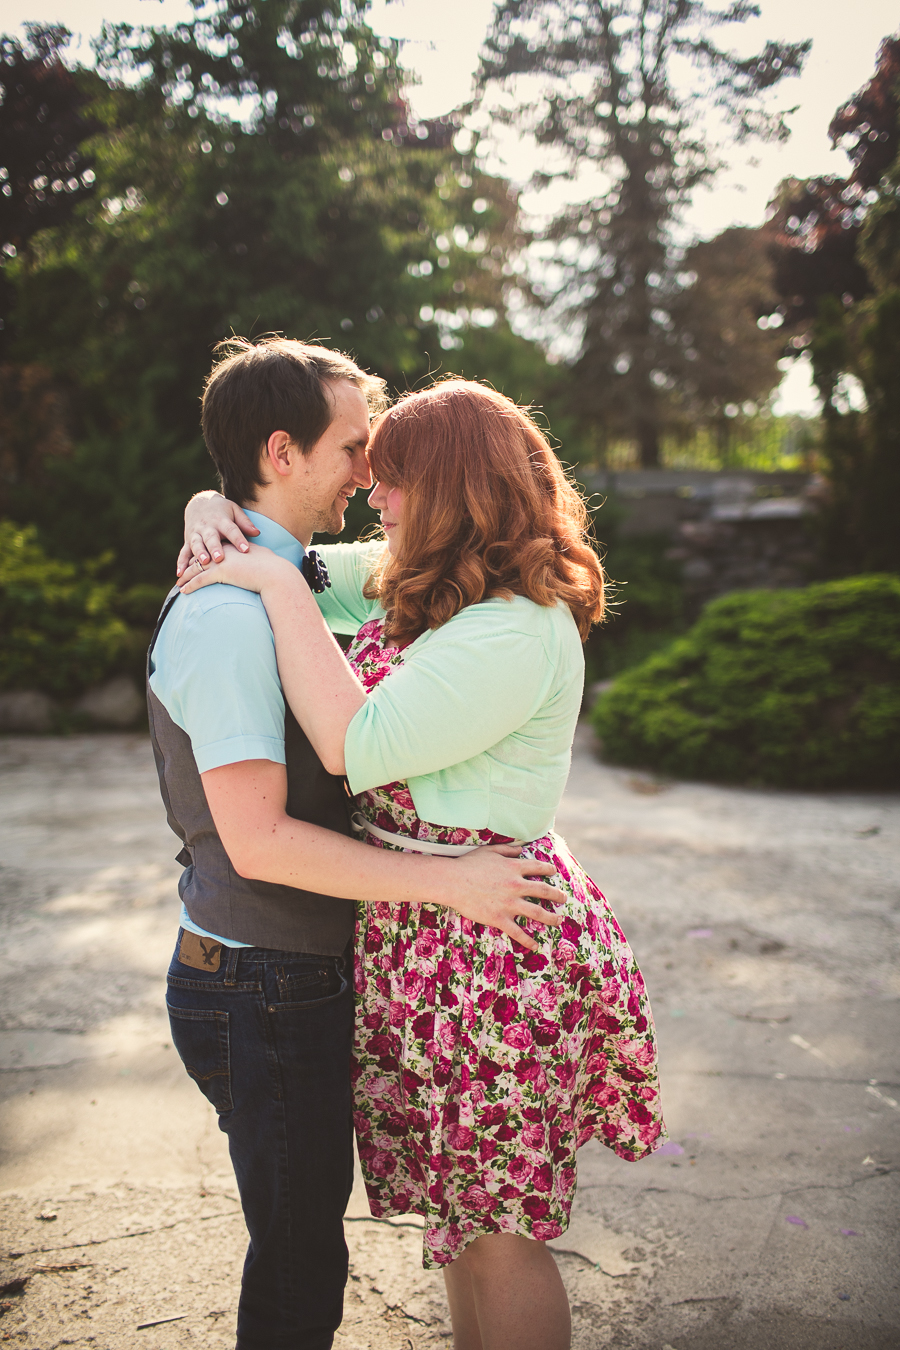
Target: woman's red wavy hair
(487, 512)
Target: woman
(479, 1068)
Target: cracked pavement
(766, 924)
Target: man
(260, 986)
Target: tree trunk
(648, 442)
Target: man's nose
(362, 474)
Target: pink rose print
(518, 1036)
(533, 1136)
(460, 1137)
(547, 998)
(535, 1207)
(571, 930)
(426, 943)
(542, 1178)
(564, 954)
(518, 1169)
(476, 1198)
(504, 1009)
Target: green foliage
(647, 599)
(755, 441)
(63, 627)
(787, 688)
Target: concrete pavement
(766, 925)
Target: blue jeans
(267, 1039)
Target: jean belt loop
(231, 973)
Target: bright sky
(441, 44)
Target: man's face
(336, 466)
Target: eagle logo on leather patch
(200, 953)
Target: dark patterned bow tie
(315, 573)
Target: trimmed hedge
(63, 628)
(796, 688)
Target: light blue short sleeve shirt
(214, 671)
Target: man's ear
(278, 452)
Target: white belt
(359, 822)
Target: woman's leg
(513, 1288)
(463, 1314)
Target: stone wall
(729, 530)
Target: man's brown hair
(274, 384)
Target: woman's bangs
(385, 453)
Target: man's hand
(495, 886)
(209, 520)
(491, 885)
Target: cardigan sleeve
(343, 606)
(462, 688)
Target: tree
(320, 212)
(727, 311)
(43, 126)
(836, 245)
(615, 96)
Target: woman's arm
(321, 689)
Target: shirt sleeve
(467, 687)
(343, 606)
(219, 683)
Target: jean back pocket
(201, 1038)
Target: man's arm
(489, 885)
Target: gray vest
(217, 899)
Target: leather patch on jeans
(201, 953)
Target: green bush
(788, 688)
(62, 628)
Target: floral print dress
(479, 1067)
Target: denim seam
(177, 982)
(284, 1171)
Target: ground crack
(771, 1195)
(120, 1237)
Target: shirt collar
(276, 537)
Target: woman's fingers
(184, 559)
(198, 546)
(242, 520)
(214, 536)
(196, 577)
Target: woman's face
(388, 502)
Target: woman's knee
(493, 1251)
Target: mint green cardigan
(480, 717)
